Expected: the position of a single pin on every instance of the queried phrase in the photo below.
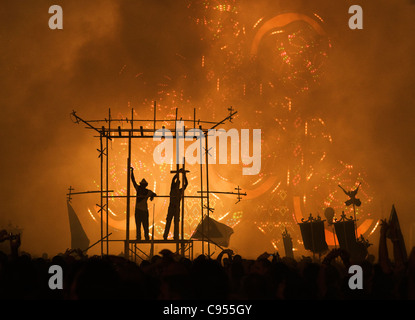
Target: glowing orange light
(321, 19)
(256, 24)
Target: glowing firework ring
(290, 58)
(281, 21)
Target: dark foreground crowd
(168, 276)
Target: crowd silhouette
(168, 276)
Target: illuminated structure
(109, 129)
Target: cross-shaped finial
(230, 109)
(70, 192)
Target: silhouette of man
(173, 212)
(141, 209)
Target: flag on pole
(313, 235)
(218, 233)
(79, 239)
(394, 233)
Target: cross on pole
(207, 151)
(210, 209)
(70, 193)
(101, 208)
(230, 109)
(239, 194)
(102, 152)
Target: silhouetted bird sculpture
(352, 195)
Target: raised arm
(343, 190)
(174, 180)
(354, 192)
(229, 252)
(133, 178)
(185, 182)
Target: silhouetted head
(143, 183)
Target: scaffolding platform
(161, 241)
(182, 246)
(111, 129)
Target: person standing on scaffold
(173, 212)
(141, 209)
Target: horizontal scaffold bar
(161, 241)
(133, 196)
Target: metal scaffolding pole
(207, 190)
(201, 188)
(101, 189)
(106, 179)
(127, 229)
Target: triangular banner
(394, 233)
(218, 233)
(79, 239)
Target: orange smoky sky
(113, 54)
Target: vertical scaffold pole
(106, 178)
(201, 188)
(127, 229)
(207, 192)
(101, 189)
(182, 213)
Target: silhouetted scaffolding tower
(107, 132)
